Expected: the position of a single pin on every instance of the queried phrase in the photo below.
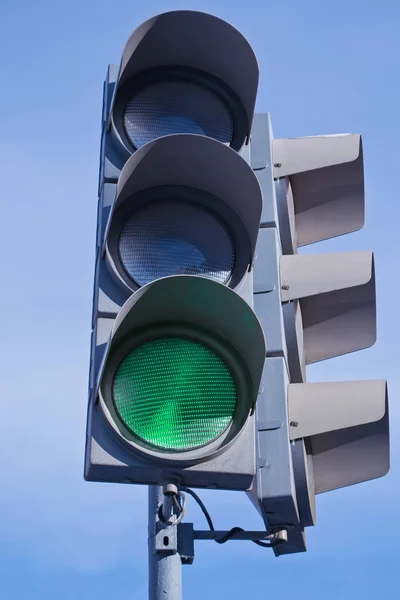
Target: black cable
(202, 506)
(234, 530)
(267, 544)
(230, 533)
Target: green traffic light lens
(175, 394)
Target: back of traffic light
(313, 437)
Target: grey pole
(165, 567)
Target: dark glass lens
(176, 107)
(175, 238)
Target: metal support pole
(165, 567)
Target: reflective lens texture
(175, 238)
(175, 394)
(176, 107)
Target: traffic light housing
(180, 65)
(312, 307)
(178, 387)
(180, 72)
(204, 314)
(177, 351)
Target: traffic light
(312, 437)
(177, 351)
(180, 72)
(204, 314)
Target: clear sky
(326, 67)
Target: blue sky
(326, 67)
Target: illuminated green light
(174, 393)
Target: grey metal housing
(210, 168)
(326, 175)
(312, 307)
(195, 164)
(204, 310)
(193, 40)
